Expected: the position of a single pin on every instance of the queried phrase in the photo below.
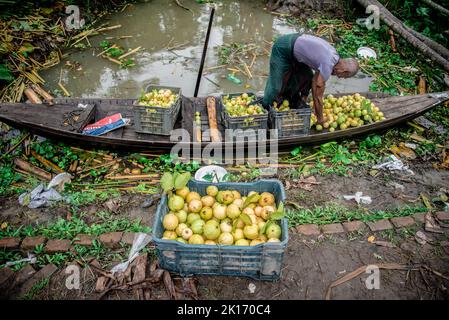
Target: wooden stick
(50, 165)
(252, 61)
(215, 67)
(212, 115)
(103, 165)
(247, 70)
(14, 147)
(106, 50)
(44, 94)
(73, 166)
(109, 28)
(32, 96)
(133, 177)
(112, 60)
(129, 53)
(28, 167)
(66, 93)
(198, 132)
(234, 70)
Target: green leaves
(174, 181)
(167, 182)
(373, 141)
(251, 199)
(265, 227)
(296, 151)
(5, 73)
(246, 219)
(279, 213)
(181, 180)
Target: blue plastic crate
(261, 262)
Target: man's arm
(318, 86)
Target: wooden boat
(64, 120)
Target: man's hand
(318, 86)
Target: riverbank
(41, 38)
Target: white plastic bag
(359, 198)
(394, 164)
(140, 241)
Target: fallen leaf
(4, 225)
(374, 172)
(296, 205)
(402, 151)
(371, 239)
(419, 138)
(426, 201)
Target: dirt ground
(310, 263)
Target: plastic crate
(262, 262)
(294, 122)
(255, 122)
(157, 120)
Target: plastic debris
(394, 164)
(106, 125)
(31, 259)
(42, 196)
(252, 287)
(140, 241)
(234, 79)
(359, 198)
(60, 180)
(39, 197)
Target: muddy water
(158, 24)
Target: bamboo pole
(28, 167)
(44, 94)
(129, 53)
(50, 165)
(133, 177)
(32, 96)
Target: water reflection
(159, 24)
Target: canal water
(158, 25)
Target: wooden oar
(212, 114)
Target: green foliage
(5, 74)
(7, 177)
(418, 16)
(58, 153)
(68, 229)
(334, 213)
(36, 289)
(80, 198)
